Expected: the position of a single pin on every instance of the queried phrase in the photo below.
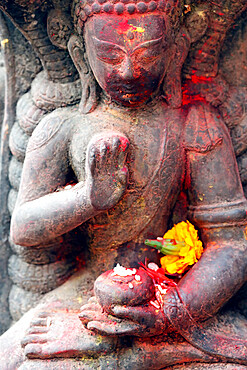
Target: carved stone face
(128, 56)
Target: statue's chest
(156, 149)
(155, 146)
(146, 148)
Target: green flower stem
(154, 243)
(167, 246)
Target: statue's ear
(172, 88)
(88, 82)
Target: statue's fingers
(104, 153)
(147, 316)
(123, 175)
(103, 148)
(94, 306)
(113, 328)
(116, 146)
(123, 152)
(92, 299)
(132, 313)
(92, 160)
(87, 316)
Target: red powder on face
(124, 27)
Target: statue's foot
(61, 334)
(106, 160)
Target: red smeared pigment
(191, 88)
(124, 27)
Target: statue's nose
(128, 70)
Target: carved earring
(89, 94)
(172, 85)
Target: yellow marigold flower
(188, 252)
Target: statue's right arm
(42, 211)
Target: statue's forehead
(119, 29)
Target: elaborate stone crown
(83, 9)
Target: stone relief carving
(134, 105)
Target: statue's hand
(107, 170)
(141, 321)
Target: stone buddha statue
(112, 168)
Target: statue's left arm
(218, 209)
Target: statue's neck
(107, 101)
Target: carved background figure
(136, 117)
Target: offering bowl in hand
(122, 286)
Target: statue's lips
(134, 88)
(132, 93)
(128, 95)
(128, 90)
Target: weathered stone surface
(129, 126)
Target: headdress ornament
(83, 9)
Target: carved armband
(220, 215)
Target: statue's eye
(148, 54)
(148, 51)
(110, 54)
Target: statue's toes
(39, 321)
(33, 350)
(33, 339)
(37, 330)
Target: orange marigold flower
(189, 248)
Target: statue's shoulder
(55, 126)
(204, 128)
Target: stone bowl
(132, 290)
